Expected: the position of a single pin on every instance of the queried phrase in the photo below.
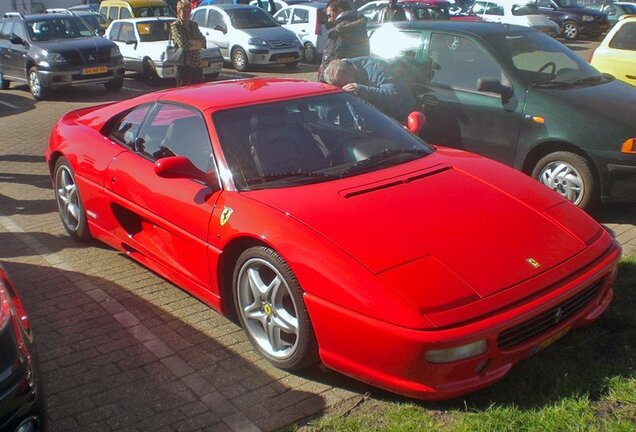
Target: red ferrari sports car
(332, 232)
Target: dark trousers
(187, 75)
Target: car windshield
(150, 11)
(428, 12)
(629, 8)
(95, 21)
(67, 27)
(543, 61)
(521, 9)
(311, 140)
(152, 31)
(247, 18)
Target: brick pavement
(121, 349)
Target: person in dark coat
(392, 12)
(346, 34)
(374, 81)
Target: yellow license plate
(205, 63)
(549, 341)
(94, 70)
(285, 59)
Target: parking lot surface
(120, 348)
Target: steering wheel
(547, 65)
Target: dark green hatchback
(517, 95)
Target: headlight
(258, 42)
(587, 18)
(457, 353)
(114, 52)
(55, 58)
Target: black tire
(309, 53)
(114, 85)
(291, 65)
(274, 311)
(150, 74)
(36, 86)
(570, 175)
(239, 60)
(4, 83)
(571, 30)
(69, 203)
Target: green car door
(461, 113)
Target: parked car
(519, 12)
(616, 55)
(523, 98)
(21, 399)
(577, 20)
(143, 43)
(307, 21)
(119, 9)
(266, 189)
(247, 35)
(414, 11)
(616, 10)
(52, 51)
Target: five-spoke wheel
(68, 201)
(270, 307)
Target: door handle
(631, 76)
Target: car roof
(304, 6)
(137, 3)
(476, 28)
(51, 16)
(145, 19)
(232, 93)
(231, 6)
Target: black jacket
(346, 38)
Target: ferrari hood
(488, 238)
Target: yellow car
(616, 55)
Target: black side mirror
(220, 28)
(15, 39)
(131, 42)
(493, 85)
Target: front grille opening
(547, 320)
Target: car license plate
(549, 341)
(285, 59)
(94, 70)
(205, 63)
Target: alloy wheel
(67, 199)
(563, 179)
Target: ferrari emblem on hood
(225, 215)
(533, 262)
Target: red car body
(396, 265)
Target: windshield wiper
(290, 175)
(553, 84)
(379, 159)
(591, 80)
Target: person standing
(186, 35)
(392, 12)
(346, 35)
(374, 81)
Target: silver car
(247, 35)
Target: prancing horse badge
(225, 215)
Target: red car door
(163, 222)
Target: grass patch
(585, 382)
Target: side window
(103, 10)
(174, 130)
(215, 19)
(625, 37)
(18, 30)
(199, 17)
(112, 13)
(494, 9)
(125, 13)
(300, 16)
(283, 16)
(479, 8)
(459, 62)
(544, 4)
(125, 127)
(127, 32)
(114, 32)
